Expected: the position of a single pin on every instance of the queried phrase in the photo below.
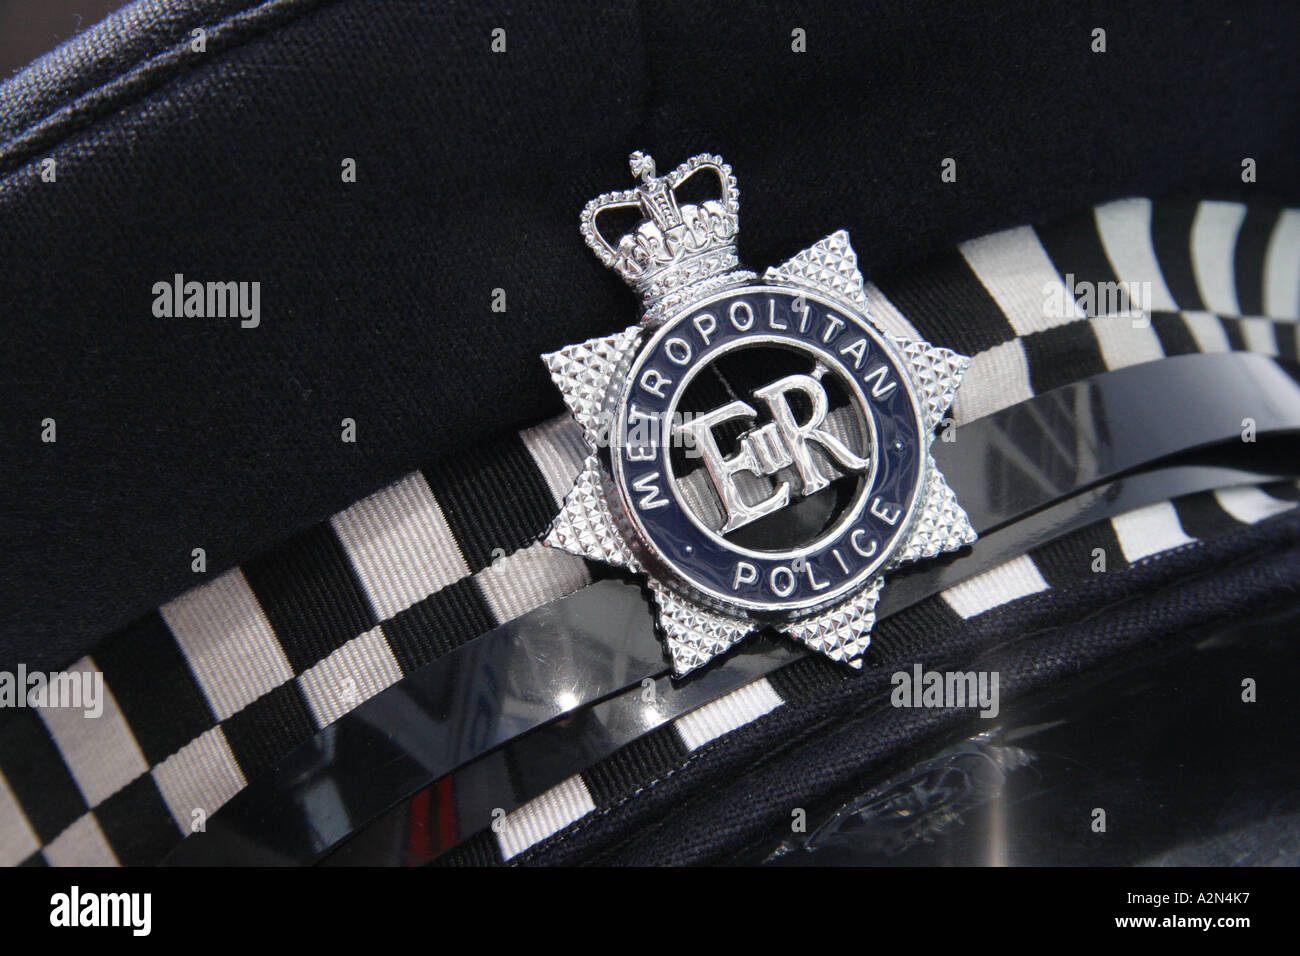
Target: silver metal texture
(681, 258)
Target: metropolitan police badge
(759, 448)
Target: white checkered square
(400, 545)
(1125, 343)
(529, 578)
(997, 378)
(559, 451)
(543, 816)
(1214, 244)
(82, 844)
(1282, 268)
(354, 673)
(202, 775)
(1208, 332)
(1259, 336)
(1150, 530)
(228, 643)
(1249, 504)
(1008, 582)
(1125, 230)
(18, 840)
(101, 752)
(722, 716)
(1017, 272)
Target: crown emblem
(677, 244)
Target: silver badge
(759, 448)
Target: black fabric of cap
(376, 296)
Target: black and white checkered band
(217, 685)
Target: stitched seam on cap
(145, 77)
